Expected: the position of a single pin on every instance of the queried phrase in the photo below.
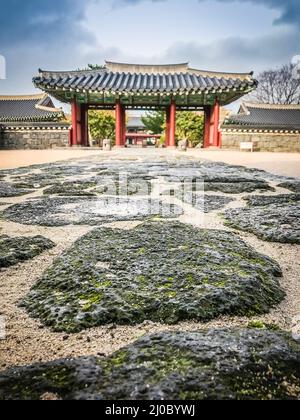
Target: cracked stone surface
(271, 218)
(61, 211)
(9, 190)
(19, 249)
(163, 272)
(229, 364)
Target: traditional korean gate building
(145, 87)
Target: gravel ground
(28, 342)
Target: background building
(32, 122)
(273, 128)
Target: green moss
(142, 279)
(90, 300)
(116, 361)
(257, 324)
(53, 379)
(220, 284)
(171, 294)
(262, 383)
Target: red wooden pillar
(172, 131)
(119, 124)
(79, 131)
(74, 131)
(123, 126)
(84, 126)
(216, 124)
(212, 135)
(207, 124)
(167, 134)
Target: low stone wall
(266, 142)
(41, 138)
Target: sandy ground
(27, 341)
(287, 164)
(10, 159)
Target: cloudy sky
(225, 35)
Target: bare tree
(281, 86)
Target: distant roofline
(146, 65)
(126, 68)
(38, 97)
(40, 104)
(258, 105)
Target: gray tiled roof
(135, 122)
(28, 108)
(264, 116)
(143, 79)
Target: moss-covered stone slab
(291, 185)
(75, 188)
(177, 170)
(204, 202)
(34, 181)
(271, 218)
(237, 187)
(62, 170)
(62, 211)
(163, 272)
(267, 200)
(123, 186)
(9, 190)
(19, 249)
(229, 364)
(199, 200)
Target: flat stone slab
(238, 187)
(9, 190)
(75, 188)
(34, 181)
(62, 211)
(19, 249)
(270, 218)
(123, 187)
(232, 364)
(291, 185)
(163, 272)
(204, 202)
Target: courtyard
(107, 254)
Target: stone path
(140, 250)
